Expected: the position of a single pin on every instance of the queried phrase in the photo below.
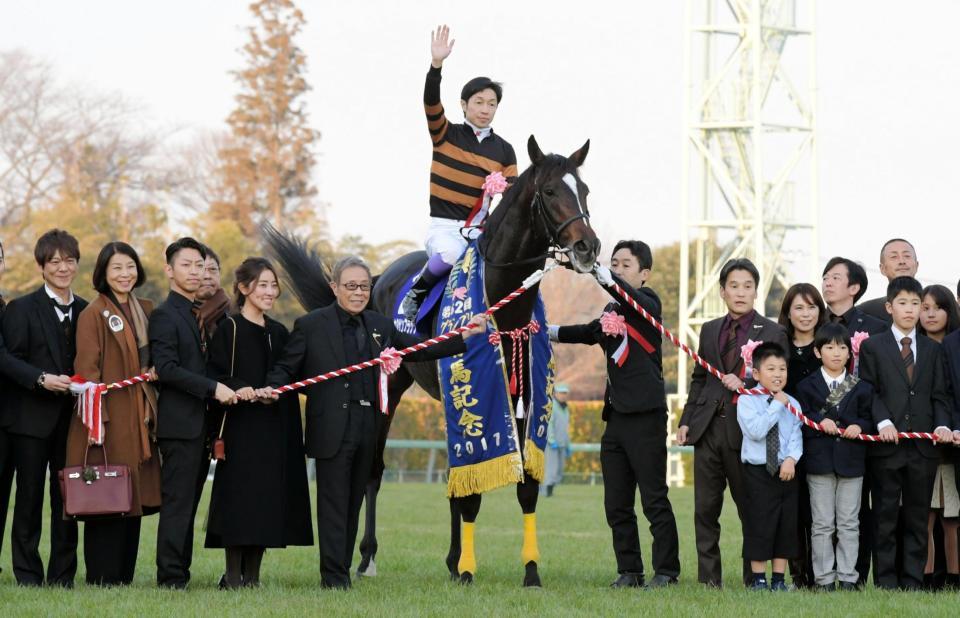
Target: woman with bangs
(802, 313)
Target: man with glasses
(344, 415)
(39, 329)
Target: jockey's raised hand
(440, 45)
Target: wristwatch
(42, 379)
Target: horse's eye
(549, 192)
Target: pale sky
(607, 71)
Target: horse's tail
(307, 271)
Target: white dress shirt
(53, 295)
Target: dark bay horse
(543, 212)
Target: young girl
(939, 317)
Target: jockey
(463, 155)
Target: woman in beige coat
(112, 345)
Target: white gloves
(603, 275)
(554, 331)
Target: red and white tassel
(90, 406)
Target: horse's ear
(533, 149)
(581, 155)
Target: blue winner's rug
(483, 448)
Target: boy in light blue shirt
(772, 446)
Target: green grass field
(577, 566)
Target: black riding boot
(418, 293)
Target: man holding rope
(343, 414)
(709, 420)
(633, 450)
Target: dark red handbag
(96, 490)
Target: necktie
(907, 353)
(833, 386)
(195, 310)
(65, 323)
(773, 447)
(361, 334)
(729, 354)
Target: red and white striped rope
(916, 435)
(527, 284)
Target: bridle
(552, 230)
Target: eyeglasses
(353, 286)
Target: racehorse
(544, 212)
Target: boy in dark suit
(835, 465)
(39, 330)
(772, 446)
(633, 450)
(178, 347)
(907, 373)
(709, 419)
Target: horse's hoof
(531, 578)
(466, 579)
(368, 570)
(454, 576)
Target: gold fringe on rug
(533, 461)
(486, 476)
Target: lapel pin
(115, 322)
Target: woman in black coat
(260, 496)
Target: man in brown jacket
(709, 420)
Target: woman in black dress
(260, 497)
(802, 313)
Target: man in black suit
(39, 329)
(342, 415)
(178, 347)
(709, 419)
(897, 259)
(844, 283)
(633, 450)
(907, 372)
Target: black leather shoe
(779, 586)
(827, 587)
(849, 586)
(628, 580)
(661, 581)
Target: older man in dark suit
(898, 258)
(709, 419)
(342, 415)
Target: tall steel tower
(749, 151)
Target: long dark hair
(811, 294)
(247, 274)
(946, 301)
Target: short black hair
(184, 243)
(903, 284)
(856, 274)
(739, 264)
(639, 249)
(477, 84)
(53, 241)
(211, 254)
(832, 332)
(100, 269)
(768, 349)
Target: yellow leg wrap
(530, 553)
(468, 560)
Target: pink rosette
(613, 324)
(746, 351)
(494, 184)
(858, 338)
(389, 361)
